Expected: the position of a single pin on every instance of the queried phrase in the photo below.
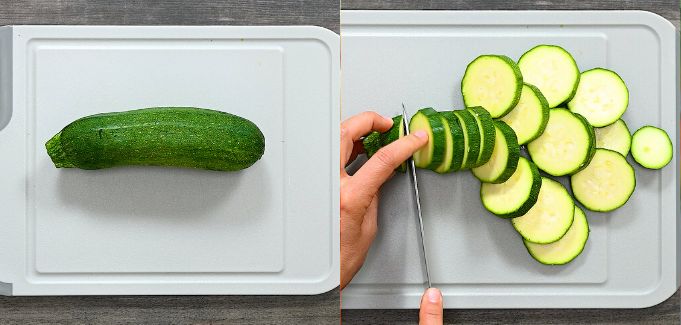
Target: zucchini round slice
(504, 158)
(615, 137)
(430, 156)
(567, 144)
(553, 70)
(550, 218)
(606, 183)
(469, 125)
(651, 147)
(565, 249)
(493, 82)
(487, 134)
(517, 195)
(457, 146)
(601, 97)
(528, 119)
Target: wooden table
(664, 313)
(321, 309)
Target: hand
(431, 308)
(359, 193)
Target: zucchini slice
(504, 158)
(528, 119)
(469, 125)
(428, 120)
(493, 82)
(375, 140)
(601, 97)
(550, 218)
(565, 249)
(553, 70)
(567, 144)
(651, 147)
(457, 147)
(517, 195)
(487, 134)
(606, 183)
(615, 137)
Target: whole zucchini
(158, 136)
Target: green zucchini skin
(187, 137)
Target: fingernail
(421, 134)
(389, 120)
(434, 295)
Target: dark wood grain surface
(320, 309)
(664, 313)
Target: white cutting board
(269, 229)
(477, 260)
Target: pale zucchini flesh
(428, 120)
(601, 97)
(566, 145)
(517, 195)
(550, 218)
(565, 249)
(553, 70)
(606, 183)
(615, 137)
(651, 147)
(471, 138)
(529, 117)
(493, 82)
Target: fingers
(431, 308)
(382, 164)
(357, 126)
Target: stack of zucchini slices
(565, 123)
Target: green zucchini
(471, 138)
(493, 82)
(529, 118)
(504, 159)
(606, 183)
(553, 70)
(432, 155)
(160, 136)
(566, 248)
(651, 147)
(458, 146)
(601, 97)
(550, 218)
(517, 195)
(615, 137)
(376, 140)
(566, 146)
(487, 134)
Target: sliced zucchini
(601, 97)
(428, 120)
(376, 140)
(517, 195)
(553, 70)
(469, 125)
(487, 134)
(504, 158)
(550, 218)
(565, 249)
(458, 146)
(615, 137)
(567, 144)
(606, 183)
(493, 82)
(528, 119)
(651, 147)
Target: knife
(415, 192)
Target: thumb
(431, 308)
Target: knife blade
(415, 192)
